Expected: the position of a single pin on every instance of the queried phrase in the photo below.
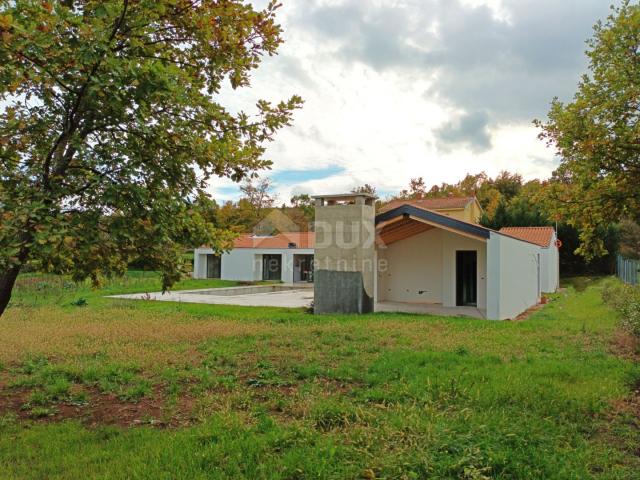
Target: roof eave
(437, 218)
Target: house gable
(466, 209)
(411, 214)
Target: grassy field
(102, 388)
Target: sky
(398, 89)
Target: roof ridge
(539, 227)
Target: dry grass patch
(140, 336)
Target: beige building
(466, 209)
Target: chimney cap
(343, 196)
(345, 199)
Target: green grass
(38, 290)
(250, 393)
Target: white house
(427, 252)
(414, 252)
(426, 257)
(287, 257)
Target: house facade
(425, 256)
(286, 257)
(410, 253)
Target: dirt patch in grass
(625, 345)
(624, 414)
(101, 409)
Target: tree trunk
(7, 281)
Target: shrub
(80, 302)
(626, 300)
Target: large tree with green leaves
(111, 124)
(597, 135)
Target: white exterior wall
(245, 264)
(422, 268)
(413, 265)
(514, 274)
(550, 267)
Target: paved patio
(296, 296)
(430, 309)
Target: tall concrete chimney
(344, 275)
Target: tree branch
(71, 122)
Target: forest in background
(507, 200)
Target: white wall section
(514, 270)
(245, 264)
(550, 267)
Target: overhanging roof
(436, 219)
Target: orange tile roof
(281, 240)
(444, 203)
(539, 235)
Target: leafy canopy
(597, 135)
(112, 123)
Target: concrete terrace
(288, 296)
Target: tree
(305, 203)
(417, 189)
(597, 135)
(508, 184)
(239, 217)
(366, 188)
(258, 194)
(111, 124)
(629, 239)
(470, 185)
(302, 200)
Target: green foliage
(256, 211)
(572, 263)
(111, 128)
(306, 206)
(80, 302)
(626, 300)
(417, 189)
(37, 289)
(520, 211)
(629, 239)
(596, 135)
(52, 383)
(492, 193)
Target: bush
(626, 300)
(80, 302)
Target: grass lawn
(105, 388)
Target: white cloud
(382, 79)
